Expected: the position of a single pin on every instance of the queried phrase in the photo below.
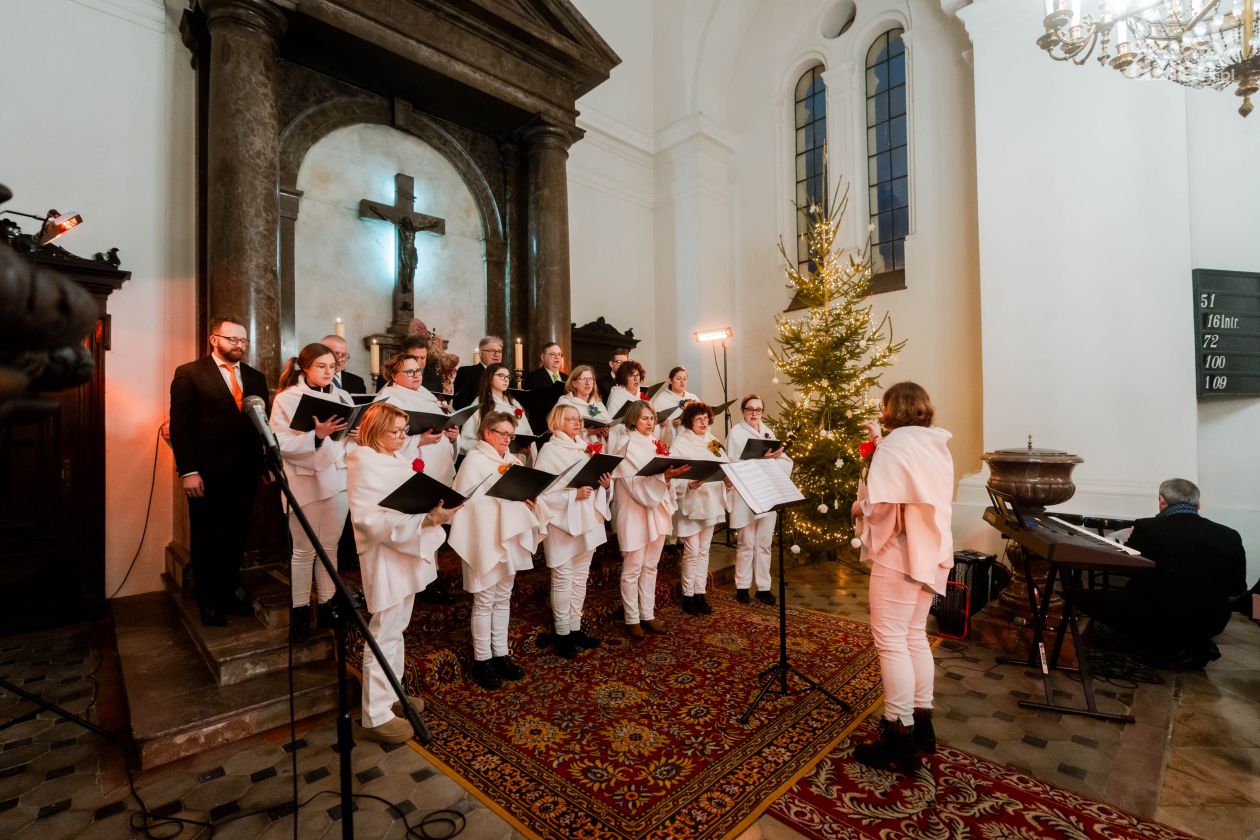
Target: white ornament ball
(856, 542)
(775, 380)
(839, 463)
(823, 508)
(795, 549)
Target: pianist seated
(1170, 613)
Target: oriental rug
(642, 740)
(954, 796)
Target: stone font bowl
(1034, 478)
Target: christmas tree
(833, 355)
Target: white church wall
(117, 146)
(344, 266)
(1085, 253)
(1224, 204)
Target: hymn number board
(1227, 332)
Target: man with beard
(219, 459)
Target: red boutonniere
(417, 465)
(867, 448)
(503, 468)
(594, 448)
(661, 449)
(518, 411)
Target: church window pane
(811, 139)
(887, 151)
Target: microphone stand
(779, 670)
(344, 612)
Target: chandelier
(1196, 43)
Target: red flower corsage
(867, 448)
(643, 394)
(594, 448)
(519, 411)
(661, 449)
(417, 465)
(503, 468)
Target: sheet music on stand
(762, 484)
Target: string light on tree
(833, 356)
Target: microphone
(256, 410)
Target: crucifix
(407, 223)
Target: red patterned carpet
(639, 740)
(954, 796)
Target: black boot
(326, 618)
(702, 604)
(299, 624)
(894, 750)
(565, 646)
(741, 595)
(584, 641)
(924, 732)
(689, 604)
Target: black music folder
(589, 422)
(521, 484)
(662, 416)
(701, 470)
(363, 399)
(652, 389)
(521, 443)
(596, 466)
(430, 421)
(718, 410)
(421, 494)
(311, 407)
(759, 448)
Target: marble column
(547, 147)
(242, 165)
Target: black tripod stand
(345, 613)
(779, 670)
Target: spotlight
(720, 334)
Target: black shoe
(924, 732)
(213, 617)
(702, 605)
(895, 749)
(506, 668)
(689, 605)
(328, 617)
(566, 648)
(741, 595)
(236, 605)
(584, 641)
(766, 598)
(299, 624)
(485, 675)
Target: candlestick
(340, 328)
(376, 358)
(520, 355)
(476, 357)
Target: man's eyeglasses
(242, 342)
(341, 357)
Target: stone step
(246, 648)
(268, 587)
(177, 709)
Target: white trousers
(328, 518)
(752, 553)
(695, 561)
(491, 611)
(899, 611)
(568, 586)
(387, 628)
(638, 581)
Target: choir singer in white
(756, 532)
(701, 504)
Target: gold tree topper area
(833, 355)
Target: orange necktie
(237, 393)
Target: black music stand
(780, 669)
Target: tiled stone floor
(58, 780)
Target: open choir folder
(595, 466)
(522, 443)
(759, 448)
(421, 494)
(701, 470)
(521, 484)
(762, 484)
(311, 408)
(431, 421)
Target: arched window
(888, 175)
(811, 138)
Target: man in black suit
(219, 458)
(345, 380)
(549, 379)
(468, 377)
(1172, 612)
(607, 380)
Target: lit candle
(520, 355)
(476, 357)
(340, 328)
(376, 358)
